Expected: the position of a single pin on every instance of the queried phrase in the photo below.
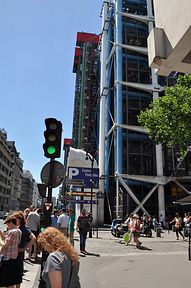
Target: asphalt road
(162, 262)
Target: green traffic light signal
(51, 150)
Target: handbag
(126, 237)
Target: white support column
(103, 92)
(159, 156)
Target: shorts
(136, 234)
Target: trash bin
(158, 231)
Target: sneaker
(139, 244)
(83, 252)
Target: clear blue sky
(37, 42)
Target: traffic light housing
(52, 135)
(42, 189)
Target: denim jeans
(83, 236)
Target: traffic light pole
(50, 184)
(47, 213)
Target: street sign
(85, 194)
(88, 175)
(83, 201)
(75, 182)
(58, 174)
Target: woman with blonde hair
(62, 265)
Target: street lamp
(89, 157)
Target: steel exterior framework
(112, 123)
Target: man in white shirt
(33, 222)
(62, 222)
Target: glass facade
(137, 149)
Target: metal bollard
(158, 231)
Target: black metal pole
(91, 198)
(97, 218)
(189, 247)
(47, 219)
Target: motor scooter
(118, 229)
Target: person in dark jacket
(83, 227)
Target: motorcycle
(146, 230)
(118, 229)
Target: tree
(168, 118)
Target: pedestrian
(10, 267)
(54, 219)
(83, 227)
(155, 223)
(27, 238)
(71, 225)
(136, 229)
(90, 219)
(26, 212)
(33, 222)
(62, 265)
(62, 222)
(178, 226)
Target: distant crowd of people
(24, 238)
(181, 226)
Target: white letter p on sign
(73, 172)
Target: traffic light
(52, 135)
(42, 189)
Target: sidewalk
(31, 274)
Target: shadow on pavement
(89, 254)
(145, 248)
(93, 254)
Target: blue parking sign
(88, 175)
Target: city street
(161, 262)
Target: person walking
(10, 266)
(62, 222)
(136, 229)
(178, 226)
(62, 265)
(83, 227)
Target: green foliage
(168, 118)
